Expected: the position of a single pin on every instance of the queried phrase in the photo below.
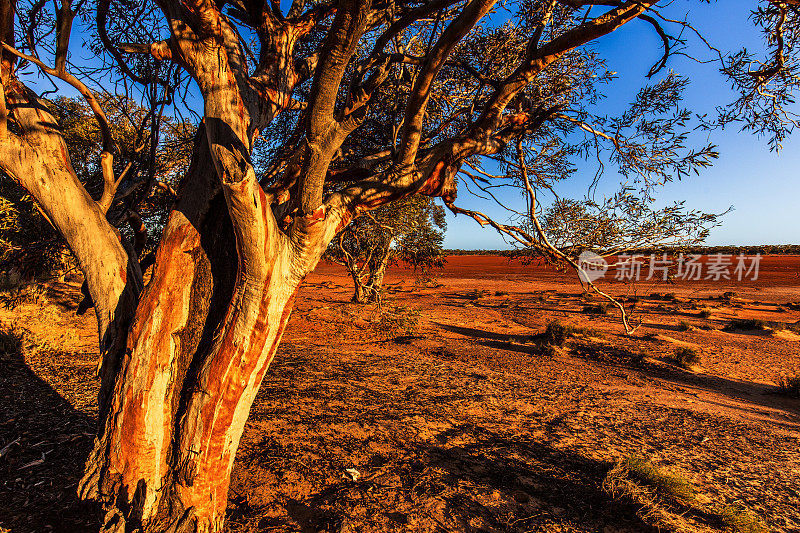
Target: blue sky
(762, 186)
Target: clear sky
(762, 186)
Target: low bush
(556, 333)
(10, 340)
(738, 518)
(596, 309)
(475, 294)
(398, 321)
(746, 324)
(666, 483)
(789, 386)
(686, 357)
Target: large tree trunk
(206, 330)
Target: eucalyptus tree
(410, 230)
(360, 103)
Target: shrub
(738, 518)
(666, 483)
(398, 321)
(704, 313)
(548, 350)
(595, 309)
(500, 293)
(746, 324)
(683, 325)
(789, 386)
(666, 296)
(639, 469)
(29, 293)
(556, 333)
(686, 357)
(10, 340)
(728, 295)
(475, 294)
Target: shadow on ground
(45, 442)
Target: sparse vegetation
(789, 386)
(475, 294)
(686, 357)
(596, 309)
(704, 313)
(10, 340)
(652, 489)
(746, 324)
(665, 296)
(684, 325)
(556, 333)
(398, 321)
(727, 295)
(740, 519)
(667, 484)
(28, 293)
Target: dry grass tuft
(654, 490)
(30, 293)
(398, 321)
(789, 386)
(686, 357)
(738, 518)
(595, 309)
(664, 482)
(746, 324)
(10, 340)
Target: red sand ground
(463, 424)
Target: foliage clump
(10, 340)
(642, 471)
(398, 321)
(596, 309)
(29, 246)
(686, 357)
(746, 324)
(410, 231)
(740, 519)
(789, 386)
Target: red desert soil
(464, 424)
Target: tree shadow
(45, 442)
(496, 482)
(746, 392)
(741, 391)
(487, 335)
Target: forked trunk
(375, 282)
(360, 288)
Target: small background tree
(411, 231)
